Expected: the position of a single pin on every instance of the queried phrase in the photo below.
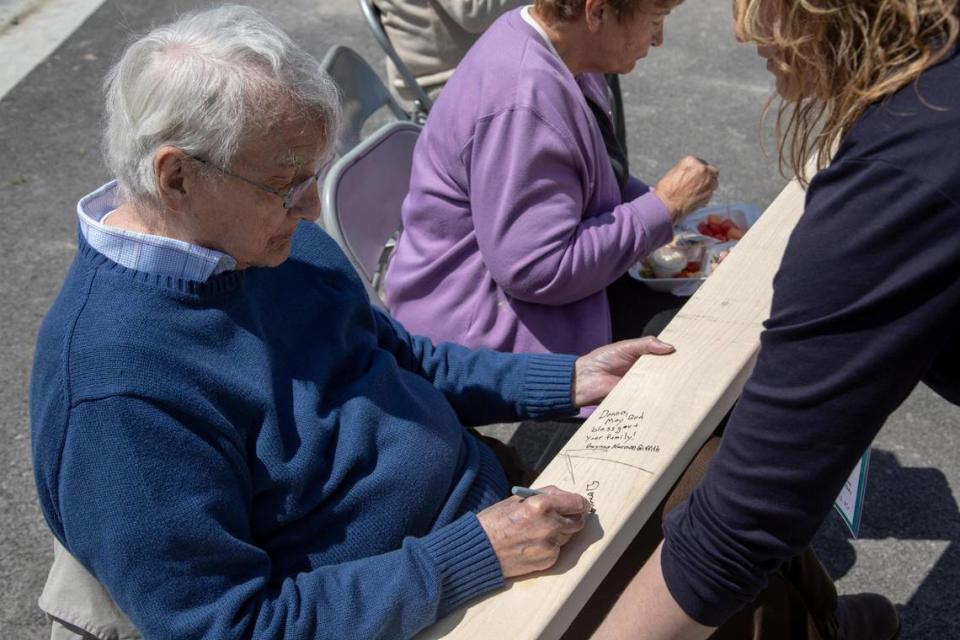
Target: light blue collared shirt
(156, 255)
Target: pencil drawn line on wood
(568, 459)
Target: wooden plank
(633, 448)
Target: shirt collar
(152, 254)
(530, 20)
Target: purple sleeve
(866, 297)
(527, 194)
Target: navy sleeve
(866, 298)
(482, 385)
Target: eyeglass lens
(298, 191)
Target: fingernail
(664, 344)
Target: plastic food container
(742, 214)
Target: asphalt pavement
(700, 93)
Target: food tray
(743, 214)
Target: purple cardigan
(514, 224)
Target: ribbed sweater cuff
(548, 379)
(465, 562)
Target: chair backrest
(364, 192)
(361, 94)
(375, 21)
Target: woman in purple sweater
(521, 210)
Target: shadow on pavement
(906, 503)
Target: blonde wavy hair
(845, 55)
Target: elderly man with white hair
(226, 435)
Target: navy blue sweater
(866, 304)
(263, 455)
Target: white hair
(198, 84)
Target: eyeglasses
(289, 196)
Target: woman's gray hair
(198, 84)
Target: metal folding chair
(361, 94)
(422, 103)
(362, 197)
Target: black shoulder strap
(618, 158)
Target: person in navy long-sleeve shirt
(865, 306)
